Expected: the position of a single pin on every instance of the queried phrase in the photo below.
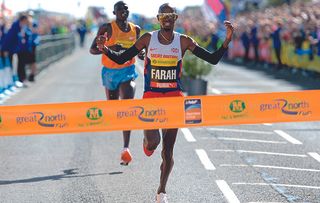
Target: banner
(174, 112)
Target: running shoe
(162, 198)
(147, 152)
(126, 157)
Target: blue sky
(147, 7)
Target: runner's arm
(142, 52)
(103, 29)
(122, 57)
(204, 54)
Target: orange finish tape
(173, 112)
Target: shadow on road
(69, 173)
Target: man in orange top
(119, 79)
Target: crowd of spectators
(288, 35)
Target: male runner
(118, 80)
(171, 46)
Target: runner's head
(167, 16)
(120, 10)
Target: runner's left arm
(204, 54)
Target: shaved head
(119, 3)
(166, 8)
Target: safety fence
(174, 112)
(51, 49)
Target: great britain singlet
(125, 39)
(163, 65)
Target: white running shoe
(162, 198)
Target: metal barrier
(53, 48)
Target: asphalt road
(246, 163)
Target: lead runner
(163, 64)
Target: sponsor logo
(237, 106)
(293, 108)
(237, 110)
(94, 114)
(149, 115)
(175, 50)
(43, 120)
(192, 108)
(163, 60)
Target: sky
(78, 8)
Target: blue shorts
(112, 78)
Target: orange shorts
(162, 94)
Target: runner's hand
(230, 30)
(101, 39)
(141, 55)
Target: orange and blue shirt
(124, 39)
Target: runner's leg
(151, 139)
(127, 90)
(168, 141)
(112, 94)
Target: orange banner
(174, 112)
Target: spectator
(34, 41)
(255, 42)
(10, 44)
(3, 32)
(82, 30)
(246, 44)
(276, 38)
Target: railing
(53, 48)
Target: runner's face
(121, 11)
(167, 18)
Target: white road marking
(250, 140)
(215, 91)
(281, 185)
(187, 134)
(267, 124)
(205, 159)
(260, 152)
(265, 202)
(241, 131)
(287, 137)
(271, 167)
(227, 192)
(315, 155)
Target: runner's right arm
(141, 55)
(105, 28)
(125, 56)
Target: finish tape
(172, 112)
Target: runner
(165, 50)
(118, 80)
